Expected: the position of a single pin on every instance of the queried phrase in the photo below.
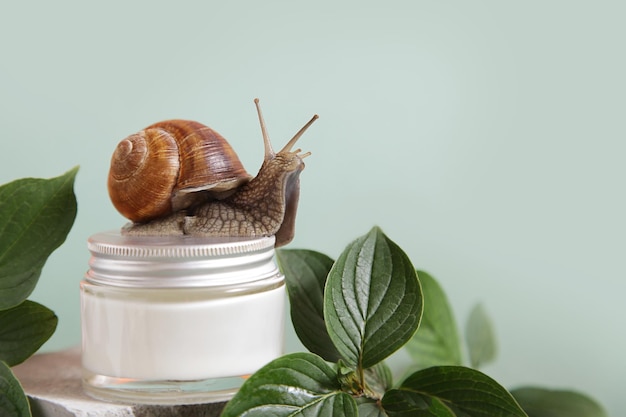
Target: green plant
(35, 217)
(438, 342)
(352, 314)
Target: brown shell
(164, 167)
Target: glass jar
(178, 320)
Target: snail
(180, 177)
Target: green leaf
(541, 402)
(305, 273)
(437, 341)
(13, 401)
(371, 383)
(379, 379)
(35, 217)
(370, 408)
(480, 337)
(23, 329)
(403, 403)
(299, 384)
(373, 300)
(466, 392)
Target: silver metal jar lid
(178, 261)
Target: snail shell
(169, 166)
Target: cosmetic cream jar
(178, 320)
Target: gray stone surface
(53, 384)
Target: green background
(487, 138)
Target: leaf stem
(362, 382)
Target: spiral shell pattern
(154, 172)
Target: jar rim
(113, 243)
(179, 261)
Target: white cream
(143, 336)
(163, 324)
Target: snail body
(181, 177)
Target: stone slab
(53, 384)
